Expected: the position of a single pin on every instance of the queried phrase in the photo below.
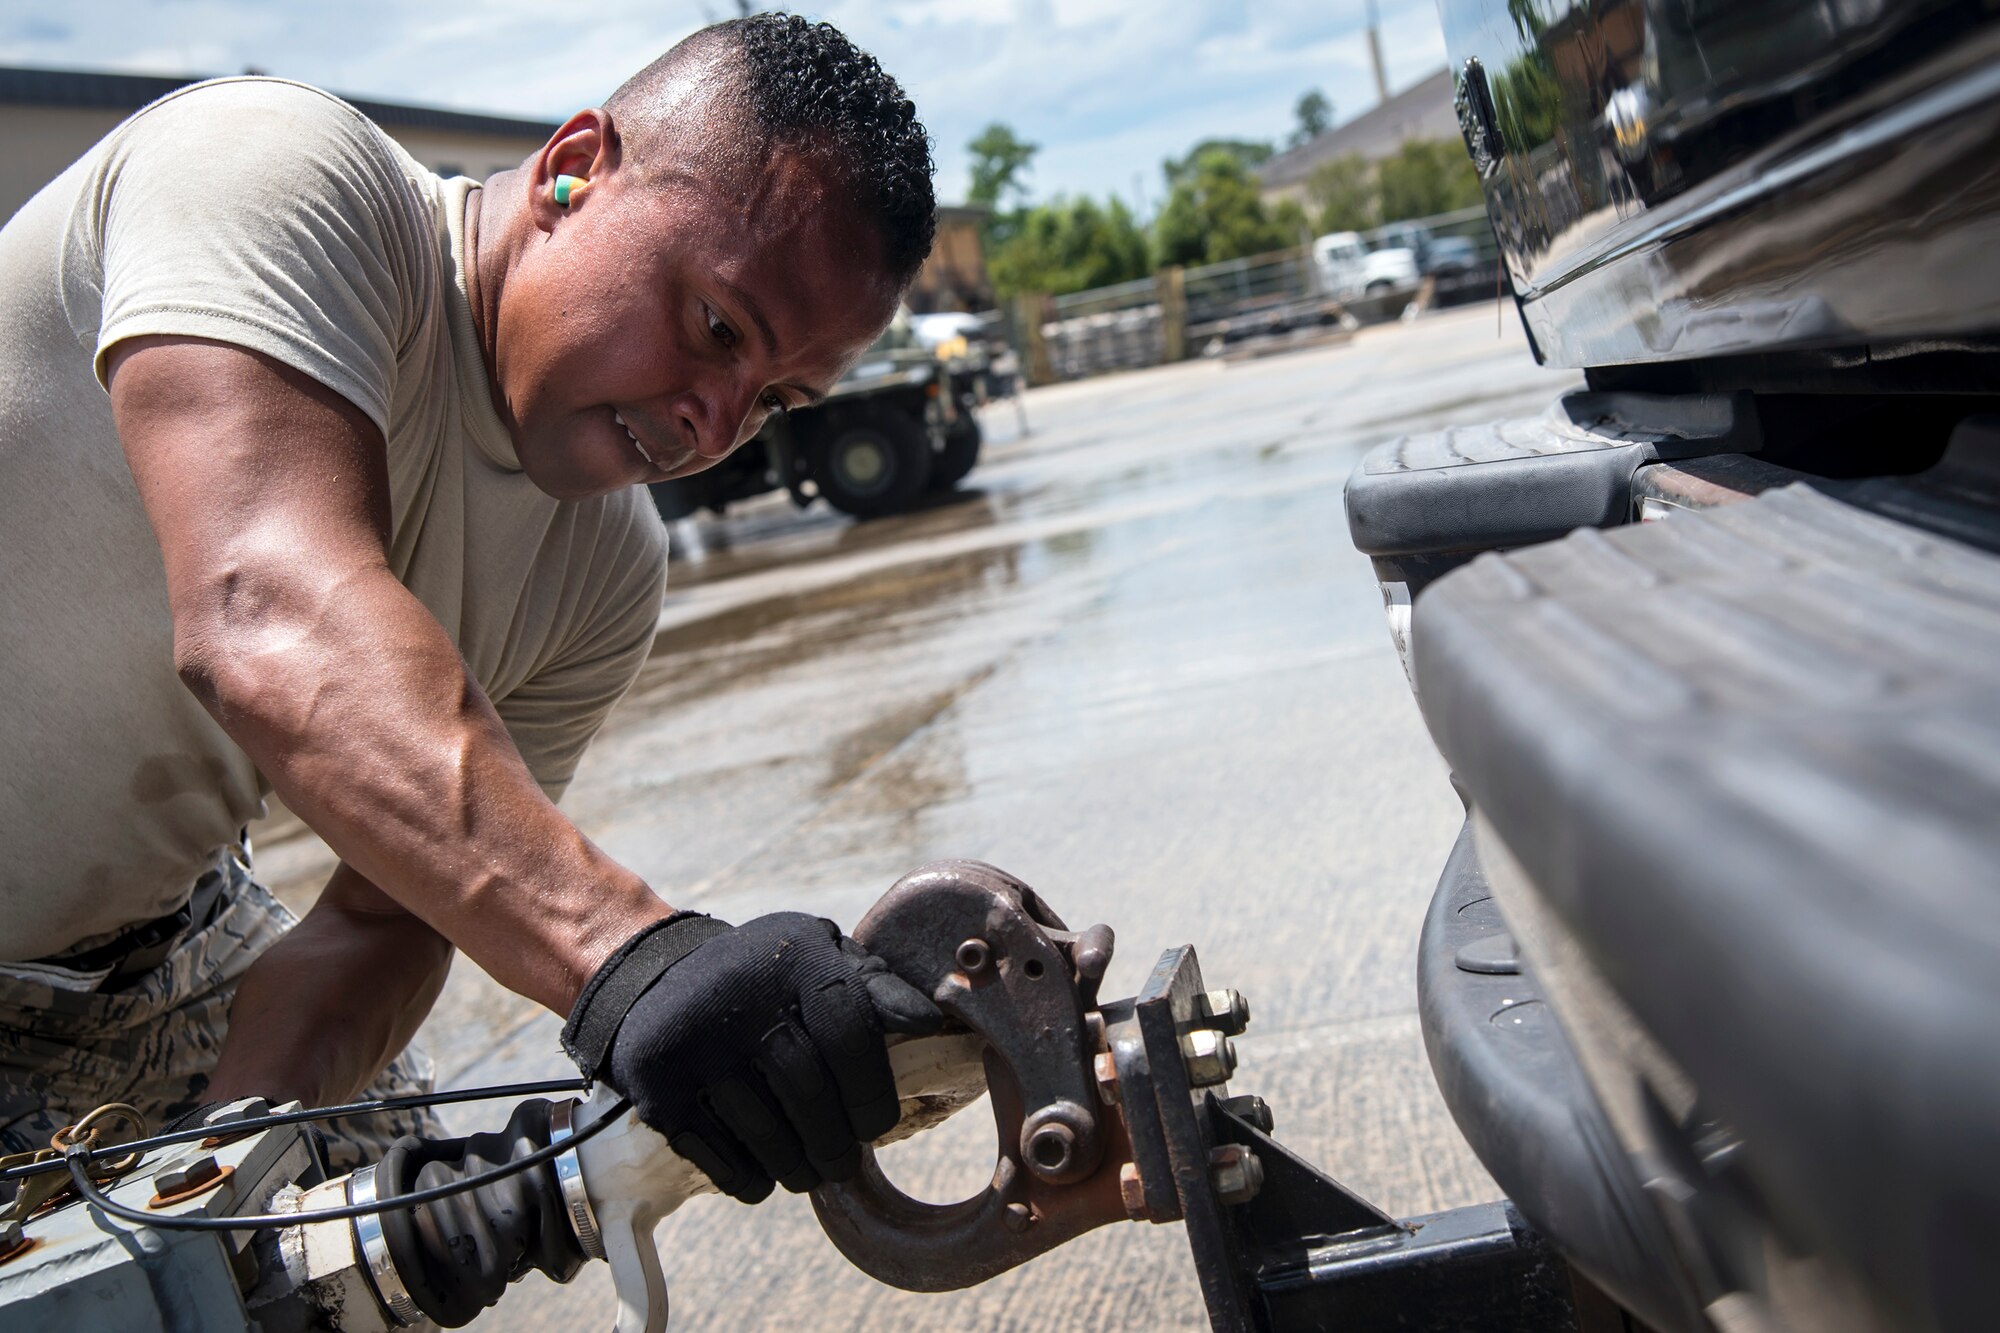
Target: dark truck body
(901, 425)
(1711, 980)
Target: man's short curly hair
(807, 87)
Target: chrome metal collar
(569, 1174)
(376, 1260)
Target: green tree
(1213, 213)
(999, 159)
(1068, 245)
(1345, 193)
(1290, 220)
(1426, 176)
(1249, 154)
(1315, 117)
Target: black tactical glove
(756, 1050)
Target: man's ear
(584, 148)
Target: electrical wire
(75, 1160)
(276, 1119)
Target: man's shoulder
(630, 529)
(274, 127)
(627, 572)
(297, 105)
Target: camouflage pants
(152, 1041)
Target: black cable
(79, 1176)
(275, 1119)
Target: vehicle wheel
(872, 465)
(960, 452)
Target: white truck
(1349, 269)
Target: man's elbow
(202, 665)
(243, 648)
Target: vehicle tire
(961, 450)
(872, 464)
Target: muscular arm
(269, 495)
(323, 1010)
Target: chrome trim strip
(569, 1174)
(376, 1261)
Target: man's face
(653, 326)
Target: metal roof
(128, 92)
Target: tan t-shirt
(273, 216)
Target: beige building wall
(954, 277)
(456, 153)
(38, 142)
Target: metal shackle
(1000, 963)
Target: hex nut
(1225, 1010)
(1235, 1174)
(186, 1174)
(1209, 1056)
(1132, 1191)
(1105, 1066)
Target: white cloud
(1108, 87)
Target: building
(954, 277)
(49, 117)
(1422, 111)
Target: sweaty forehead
(787, 209)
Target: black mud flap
(1513, 1083)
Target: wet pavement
(1137, 665)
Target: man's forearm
(270, 496)
(329, 1005)
(368, 726)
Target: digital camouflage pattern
(152, 1041)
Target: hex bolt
(10, 1235)
(1105, 1066)
(1132, 1191)
(247, 1109)
(1210, 1057)
(186, 1174)
(1051, 1148)
(1235, 1173)
(973, 956)
(1225, 1010)
(1251, 1110)
(1018, 1217)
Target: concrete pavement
(1138, 665)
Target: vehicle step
(1513, 483)
(1748, 758)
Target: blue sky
(1107, 87)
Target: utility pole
(1375, 53)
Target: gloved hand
(755, 1050)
